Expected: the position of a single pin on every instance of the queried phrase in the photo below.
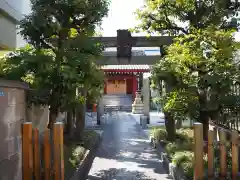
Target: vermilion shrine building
(123, 79)
(123, 70)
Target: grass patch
(74, 151)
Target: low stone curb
(85, 165)
(175, 172)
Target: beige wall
(12, 114)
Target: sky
(121, 17)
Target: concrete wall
(8, 34)
(11, 12)
(12, 114)
(13, 8)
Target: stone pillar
(146, 94)
(100, 111)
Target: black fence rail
(229, 119)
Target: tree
(179, 17)
(201, 70)
(62, 27)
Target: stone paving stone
(125, 153)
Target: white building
(11, 12)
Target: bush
(158, 134)
(74, 151)
(172, 148)
(184, 160)
(185, 134)
(179, 152)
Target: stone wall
(12, 115)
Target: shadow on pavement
(119, 174)
(124, 142)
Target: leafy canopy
(60, 57)
(179, 17)
(199, 71)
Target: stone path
(125, 153)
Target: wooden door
(111, 86)
(121, 87)
(116, 87)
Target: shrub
(172, 148)
(184, 159)
(185, 134)
(158, 134)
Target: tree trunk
(80, 121)
(170, 126)
(52, 117)
(204, 119)
(98, 114)
(70, 124)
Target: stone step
(110, 108)
(117, 100)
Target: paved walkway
(125, 153)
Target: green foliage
(185, 160)
(74, 151)
(52, 22)
(158, 134)
(179, 152)
(199, 71)
(60, 57)
(178, 17)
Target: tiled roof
(126, 67)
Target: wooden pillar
(134, 90)
(198, 151)
(27, 147)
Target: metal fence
(229, 117)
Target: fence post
(210, 154)
(58, 151)
(223, 154)
(198, 151)
(47, 155)
(234, 154)
(27, 164)
(36, 154)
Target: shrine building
(124, 67)
(124, 79)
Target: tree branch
(169, 25)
